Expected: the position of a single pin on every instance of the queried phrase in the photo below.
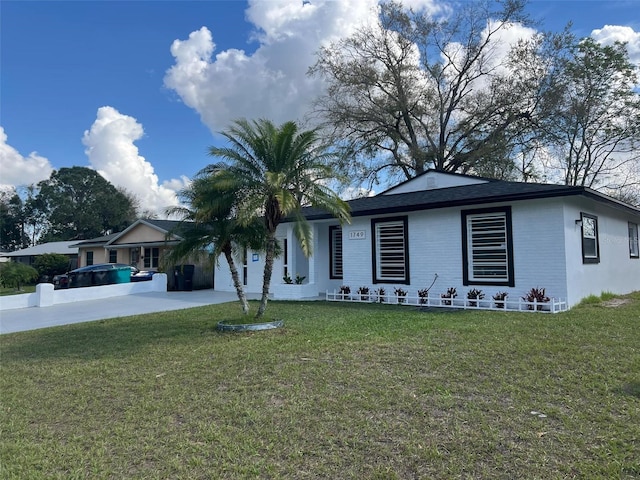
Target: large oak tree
(78, 203)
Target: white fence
(45, 295)
(554, 305)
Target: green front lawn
(15, 291)
(343, 391)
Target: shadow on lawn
(106, 338)
(632, 389)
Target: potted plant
(423, 295)
(345, 290)
(381, 294)
(299, 279)
(364, 293)
(451, 293)
(538, 297)
(401, 294)
(500, 299)
(474, 295)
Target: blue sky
(151, 81)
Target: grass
(343, 391)
(14, 291)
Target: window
(487, 251)
(634, 247)
(245, 266)
(113, 256)
(285, 258)
(89, 258)
(590, 247)
(390, 250)
(335, 252)
(151, 257)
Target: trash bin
(178, 278)
(188, 271)
(122, 275)
(183, 277)
(100, 277)
(79, 279)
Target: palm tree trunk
(268, 269)
(236, 280)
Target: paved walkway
(32, 318)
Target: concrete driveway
(32, 318)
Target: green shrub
(590, 300)
(14, 274)
(51, 264)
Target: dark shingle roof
(490, 192)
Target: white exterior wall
(616, 272)
(435, 246)
(222, 275)
(538, 248)
(547, 252)
(45, 295)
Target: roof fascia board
(140, 221)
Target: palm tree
(209, 227)
(275, 171)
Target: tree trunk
(268, 269)
(236, 280)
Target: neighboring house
(472, 232)
(28, 255)
(142, 244)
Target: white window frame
(634, 244)
(336, 271)
(590, 238)
(390, 250)
(487, 247)
(151, 260)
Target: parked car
(98, 274)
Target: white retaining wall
(46, 296)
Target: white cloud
(112, 152)
(609, 34)
(271, 82)
(17, 170)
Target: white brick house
(472, 232)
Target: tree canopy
(272, 172)
(414, 92)
(594, 132)
(78, 203)
(210, 227)
(12, 224)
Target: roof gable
(433, 179)
(147, 230)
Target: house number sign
(357, 234)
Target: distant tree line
(74, 203)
